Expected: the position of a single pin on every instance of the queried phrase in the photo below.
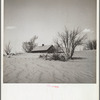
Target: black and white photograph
(50, 41)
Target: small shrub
(62, 58)
(42, 56)
(12, 54)
(54, 56)
(8, 49)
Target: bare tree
(29, 46)
(69, 40)
(8, 49)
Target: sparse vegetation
(91, 45)
(53, 56)
(8, 49)
(65, 45)
(68, 41)
(58, 56)
(29, 46)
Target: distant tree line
(91, 45)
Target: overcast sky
(45, 18)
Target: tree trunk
(72, 52)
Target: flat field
(29, 68)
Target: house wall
(44, 51)
(51, 50)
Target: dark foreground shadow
(78, 58)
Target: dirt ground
(29, 68)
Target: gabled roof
(42, 48)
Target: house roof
(42, 48)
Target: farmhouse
(79, 48)
(44, 49)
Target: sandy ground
(28, 68)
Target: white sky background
(45, 18)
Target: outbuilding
(44, 49)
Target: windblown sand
(29, 68)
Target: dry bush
(29, 46)
(53, 56)
(68, 41)
(91, 45)
(58, 56)
(8, 49)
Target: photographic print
(50, 41)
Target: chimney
(42, 44)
